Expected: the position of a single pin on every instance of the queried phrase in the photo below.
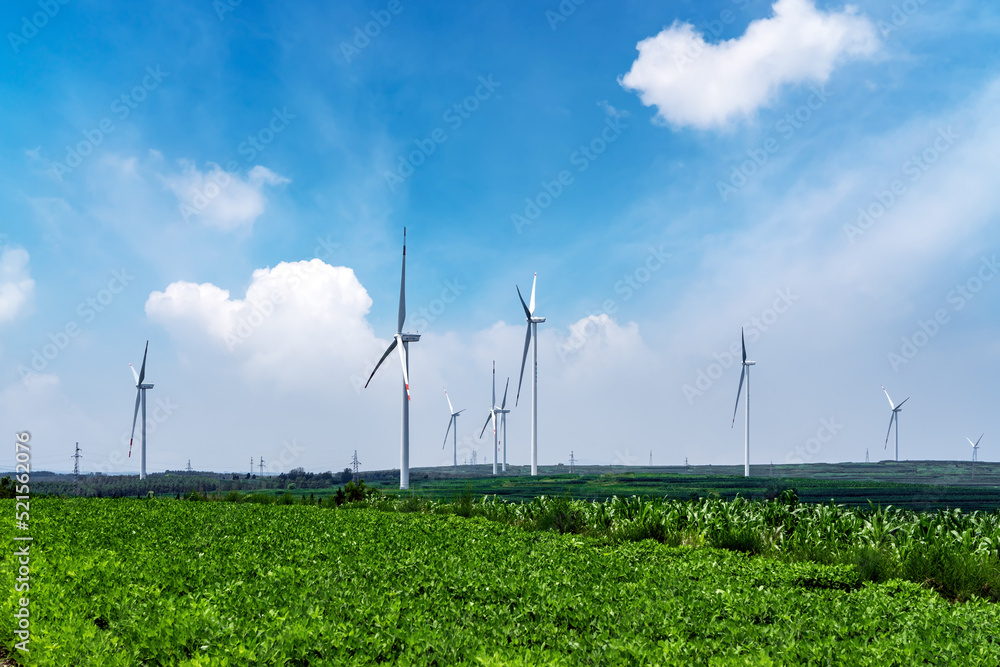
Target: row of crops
(166, 582)
(954, 552)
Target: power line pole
(572, 461)
(76, 463)
(866, 455)
(189, 465)
(355, 463)
(251, 465)
(651, 458)
(261, 467)
(76, 467)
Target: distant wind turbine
(140, 397)
(975, 447)
(744, 373)
(494, 411)
(893, 418)
(402, 341)
(452, 422)
(533, 322)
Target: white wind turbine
(140, 397)
(894, 418)
(402, 341)
(533, 322)
(975, 447)
(744, 373)
(452, 422)
(494, 411)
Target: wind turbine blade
(527, 313)
(524, 358)
(494, 403)
(503, 404)
(447, 432)
(402, 290)
(488, 419)
(451, 408)
(891, 404)
(744, 341)
(142, 371)
(980, 438)
(134, 374)
(531, 302)
(460, 411)
(388, 351)
(739, 391)
(971, 443)
(901, 404)
(890, 429)
(135, 415)
(402, 362)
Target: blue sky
(732, 153)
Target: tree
(346, 476)
(6, 488)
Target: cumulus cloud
(16, 285)
(291, 316)
(694, 83)
(220, 199)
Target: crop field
(166, 582)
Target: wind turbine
(494, 411)
(893, 418)
(744, 373)
(402, 341)
(140, 397)
(533, 323)
(452, 422)
(975, 447)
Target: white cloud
(292, 321)
(16, 285)
(220, 199)
(706, 85)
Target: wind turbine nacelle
(537, 320)
(145, 386)
(410, 338)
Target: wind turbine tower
(453, 422)
(402, 342)
(744, 373)
(975, 447)
(893, 418)
(533, 322)
(494, 411)
(140, 398)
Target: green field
(918, 485)
(127, 582)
